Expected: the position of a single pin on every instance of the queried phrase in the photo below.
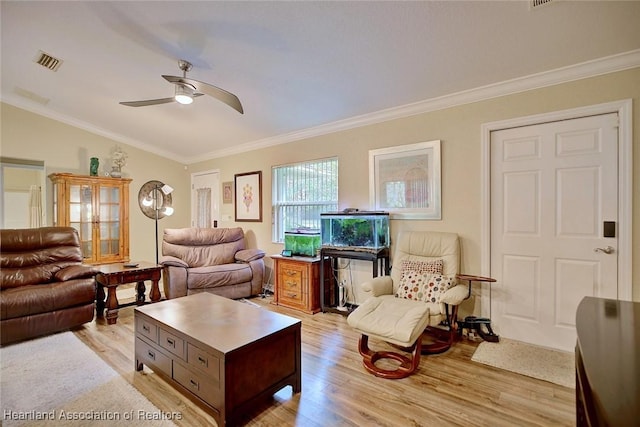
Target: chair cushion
(202, 247)
(424, 287)
(422, 267)
(218, 275)
(398, 321)
(31, 300)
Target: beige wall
(459, 130)
(66, 148)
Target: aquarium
(302, 242)
(359, 230)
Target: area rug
(59, 381)
(533, 361)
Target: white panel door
(205, 199)
(553, 186)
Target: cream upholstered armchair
(421, 296)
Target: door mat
(533, 361)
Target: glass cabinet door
(81, 216)
(109, 205)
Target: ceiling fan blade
(148, 102)
(153, 101)
(220, 94)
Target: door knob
(607, 250)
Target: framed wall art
(405, 180)
(248, 194)
(227, 192)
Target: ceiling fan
(187, 89)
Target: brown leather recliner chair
(211, 260)
(44, 287)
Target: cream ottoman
(398, 321)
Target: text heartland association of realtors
(133, 415)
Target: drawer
(172, 343)
(152, 357)
(290, 288)
(207, 363)
(291, 271)
(138, 277)
(199, 384)
(147, 329)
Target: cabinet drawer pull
(146, 328)
(202, 361)
(151, 355)
(194, 384)
(290, 295)
(171, 342)
(290, 273)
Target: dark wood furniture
(223, 354)
(380, 263)
(607, 362)
(113, 275)
(297, 283)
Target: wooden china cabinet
(98, 207)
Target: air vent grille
(534, 4)
(48, 61)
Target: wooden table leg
(100, 300)
(112, 306)
(155, 291)
(141, 288)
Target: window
(301, 192)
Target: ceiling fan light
(184, 94)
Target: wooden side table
(473, 322)
(113, 275)
(297, 283)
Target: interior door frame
(625, 194)
(217, 194)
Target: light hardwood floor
(448, 390)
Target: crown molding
(600, 66)
(593, 68)
(19, 102)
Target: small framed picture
(227, 192)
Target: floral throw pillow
(424, 287)
(421, 267)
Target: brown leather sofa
(210, 260)
(44, 287)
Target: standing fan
(186, 89)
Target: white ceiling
(297, 67)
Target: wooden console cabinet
(297, 283)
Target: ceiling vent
(48, 61)
(535, 4)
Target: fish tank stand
(378, 257)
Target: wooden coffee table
(113, 275)
(224, 355)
